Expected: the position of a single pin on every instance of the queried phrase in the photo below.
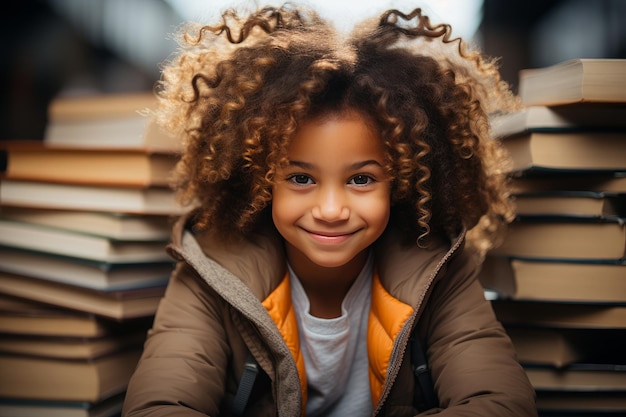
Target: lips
(330, 237)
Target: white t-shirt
(335, 350)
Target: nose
(330, 205)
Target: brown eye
(361, 180)
(301, 179)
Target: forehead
(343, 134)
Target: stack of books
(85, 216)
(558, 281)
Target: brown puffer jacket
(211, 317)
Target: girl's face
(332, 200)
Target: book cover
(117, 226)
(34, 161)
(571, 239)
(123, 133)
(52, 240)
(559, 403)
(63, 108)
(83, 272)
(70, 347)
(47, 239)
(555, 280)
(112, 121)
(116, 305)
(560, 347)
(563, 151)
(576, 204)
(578, 377)
(610, 183)
(20, 316)
(555, 119)
(35, 194)
(574, 81)
(545, 346)
(30, 377)
(109, 407)
(560, 315)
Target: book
(560, 315)
(68, 380)
(564, 239)
(581, 404)
(85, 273)
(63, 108)
(571, 204)
(151, 200)
(117, 305)
(573, 151)
(109, 407)
(578, 377)
(562, 281)
(574, 81)
(56, 241)
(112, 121)
(118, 226)
(555, 119)
(544, 346)
(35, 161)
(559, 347)
(567, 181)
(21, 316)
(70, 347)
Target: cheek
(283, 208)
(376, 211)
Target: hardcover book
(575, 81)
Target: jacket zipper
(399, 348)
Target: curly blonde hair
(237, 92)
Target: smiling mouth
(327, 237)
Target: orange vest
(386, 317)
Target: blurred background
(54, 47)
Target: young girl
(343, 190)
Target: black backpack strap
(250, 372)
(426, 397)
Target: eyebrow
(356, 165)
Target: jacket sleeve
(474, 365)
(182, 369)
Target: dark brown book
(70, 347)
(21, 316)
(576, 182)
(560, 347)
(567, 151)
(68, 380)
(571, 204)
(110, 407)
(560, 281)
(581, 404)
(544, 346)
(578, 377)
(566, 315)
(554, 119)
(564, 240)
